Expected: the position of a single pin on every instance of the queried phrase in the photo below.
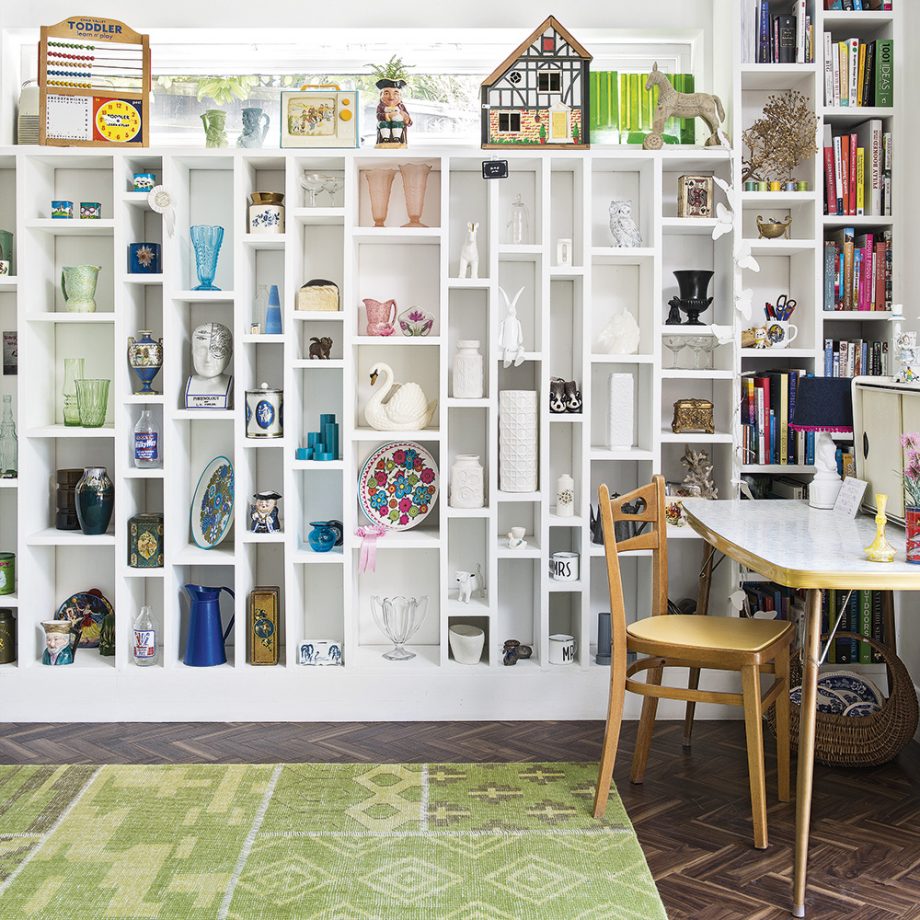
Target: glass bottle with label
(9, 446)
(144, 643)
(146, 441)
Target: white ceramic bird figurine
(623, 229)
(397, 407)
(510, 332)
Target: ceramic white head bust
(212, 349)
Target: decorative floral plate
(212, 504)
(863, 708)
(398, 485)
(88, 608)
(828, 701)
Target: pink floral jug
(380, 316)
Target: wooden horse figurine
(681, 105)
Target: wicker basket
(865, 741)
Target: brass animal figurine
(681, 105)
(320, 348)
(773, 229)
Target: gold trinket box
(693, 415)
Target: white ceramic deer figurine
(469, 254)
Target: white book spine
(838, 49)
(828, 69)
(875, 196)
(798, 10)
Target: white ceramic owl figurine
(623, 229)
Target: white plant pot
(466, 643)
(517, 440)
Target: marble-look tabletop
(802, 547)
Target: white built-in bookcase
(323, 596)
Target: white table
(800, 547)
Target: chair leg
(783, 770)
(753, 724)
(646, 727)
(693, 684)
(611, 741)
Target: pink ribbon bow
(367, 561)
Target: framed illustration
(319, 116)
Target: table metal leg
(806, 753)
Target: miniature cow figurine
(467, 583)
(469, 254)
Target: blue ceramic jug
(325, 535)
(205, 646)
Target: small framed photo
(319, 117)
(694, 196)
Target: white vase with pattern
(468, 370)
(621, 411)
(517, 441)
(467, 482)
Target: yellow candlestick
(880, 550)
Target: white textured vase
(621, 411)
(517, 440)
(565, 496)
(468, 370)
(467, 482)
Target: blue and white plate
(864, 708)
(828, 701)
(212, 505)
(854, 688)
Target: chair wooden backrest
(650, 499)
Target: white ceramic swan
(397, 407)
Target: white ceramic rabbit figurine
(510, 333)
(469, 254)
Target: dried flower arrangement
(781, 138)
(911, 444)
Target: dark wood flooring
(691, 814)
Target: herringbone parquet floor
(691, 814)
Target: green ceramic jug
(78, 282)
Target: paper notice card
(69, 117)
(850, 496)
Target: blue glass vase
(206, 240)
(273, 312)
(325, 535)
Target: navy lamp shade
(823, 405)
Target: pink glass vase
(912, 526)
(415, 181)
(379, 183)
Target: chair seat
(710, 633)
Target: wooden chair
(721, 643)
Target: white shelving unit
(323, 595)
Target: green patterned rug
(343, 841)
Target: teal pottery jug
(95, 499)
(255, 127)
(205, 646)
(325, 535)
(215, 123)
(78, 283)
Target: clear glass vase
(93, 401)
(399, 619)
(206, 241)
(415, 181)
(73, 371)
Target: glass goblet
(331, 185)
(675, 344)
(312, 183)
(701, 349)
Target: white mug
(780, 333)
(561, 649)
(516, 537)
(563, 566)
(564, 252)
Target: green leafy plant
(394, 69)
(223, 90)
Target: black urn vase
(693, 285)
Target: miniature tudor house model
(538, 96)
